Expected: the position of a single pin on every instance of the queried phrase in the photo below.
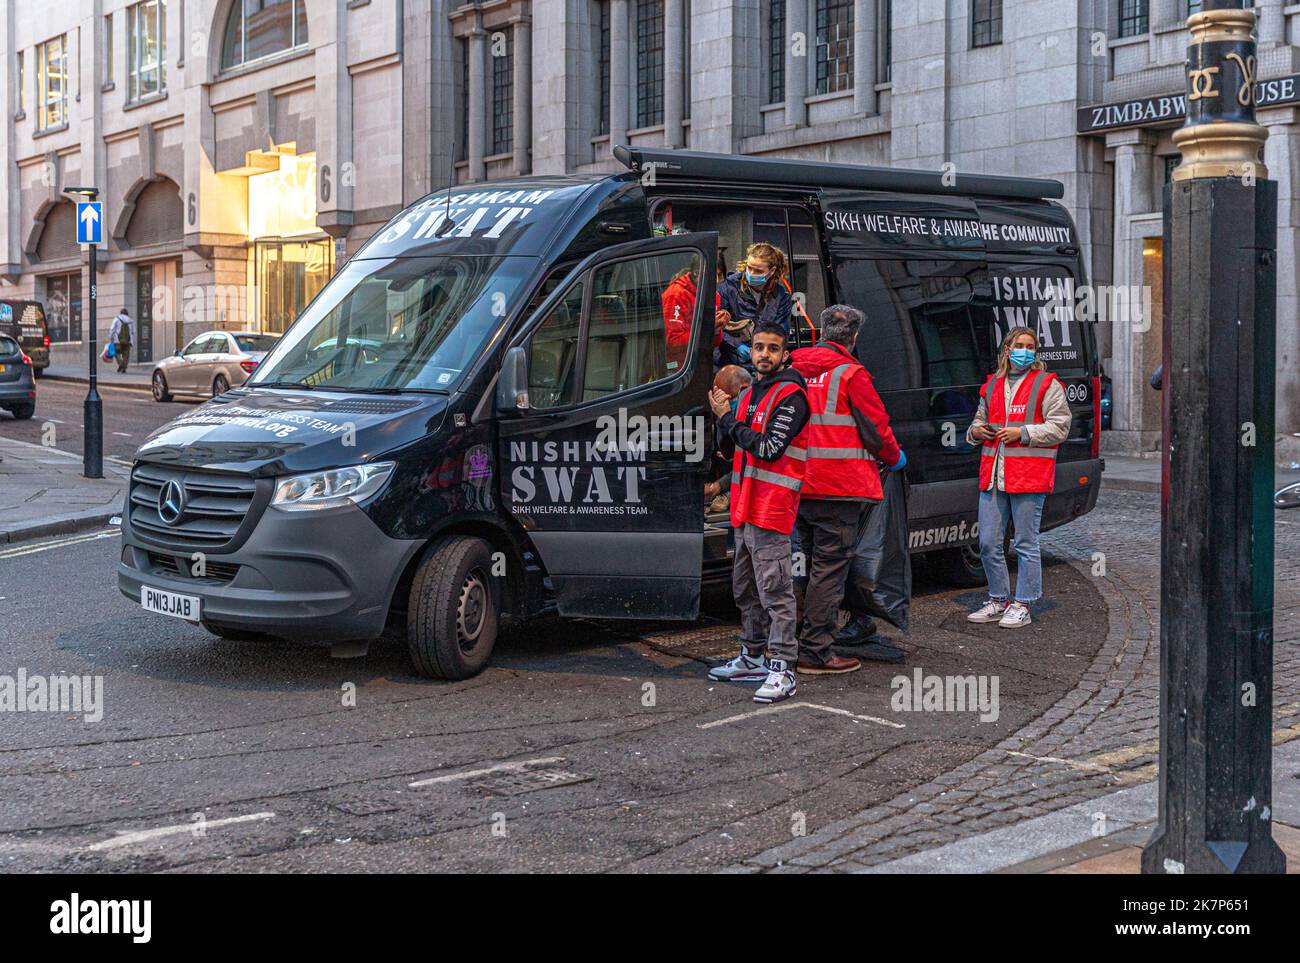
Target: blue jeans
(996, 510)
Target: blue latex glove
(902, 461)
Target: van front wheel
(452, 617)
(959, 567)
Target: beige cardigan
(1054, 429)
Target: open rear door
(605, 468)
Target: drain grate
(528, 780)
(699, 642)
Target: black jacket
(789, 418)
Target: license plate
(170, 603)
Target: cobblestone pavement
(1101, 736)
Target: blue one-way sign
(90, 222)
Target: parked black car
(17, 383)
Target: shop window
(146, 49)
(52, 83)
(261, 28)
(649, 62)
(986, 23)
(63, 307)
(834, 46)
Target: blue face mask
(755, 280)
(1022, 357)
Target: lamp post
(92, 458)
(1216, 565)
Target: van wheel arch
(512, 592)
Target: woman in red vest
(1022, 419)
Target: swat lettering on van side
(576, 478)
(1043, 303)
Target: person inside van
(751, 295)
(1022, 419)
(769, 434)
(679, 311)
(732, 380)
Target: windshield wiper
(300, 386)
(392, 391)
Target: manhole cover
(365, 807)
(706, 642)
(528, 780)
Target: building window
(108, 49)
(22, 83)
(775, 51)
(1134, 19)
(649, 62)
(986, 23)
(885, 42)
(1194, 6)
(603, 126)
(462, 133)
(260, 28)
(146, 49)
(503, 91)
(1171, 161)
(834, 45)
(52, 83)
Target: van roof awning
(698, 165)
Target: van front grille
(213, 506)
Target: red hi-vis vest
(838, 465)
(766, 493)
(1025, 470)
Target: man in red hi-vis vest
(847, 432)
(769, 434)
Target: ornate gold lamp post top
(1221, 137)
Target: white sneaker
(743, 668)
(780, 683)
(992, 611)
(1017, 616)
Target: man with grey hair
(847, 432)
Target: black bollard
(1216, 628)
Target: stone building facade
(244, 149)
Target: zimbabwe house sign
(1171, 108)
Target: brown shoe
(835, 665)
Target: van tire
(958, 567)
(23, 412)
(453, 614)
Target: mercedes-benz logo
(171, 502)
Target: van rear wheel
(453, 614)
(958, 567)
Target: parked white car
(211, 364)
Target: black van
(24, 321)
(484, 414)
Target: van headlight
(330, 489)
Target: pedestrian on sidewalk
(847, 431)
(121, 332)
(1022, 419)
(769, 436)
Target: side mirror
(512, 384)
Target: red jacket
(1025, 470)
(844, 440)
(679, 311)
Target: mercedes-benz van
(498, 406)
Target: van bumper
(313, 576)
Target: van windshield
(407, 323)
